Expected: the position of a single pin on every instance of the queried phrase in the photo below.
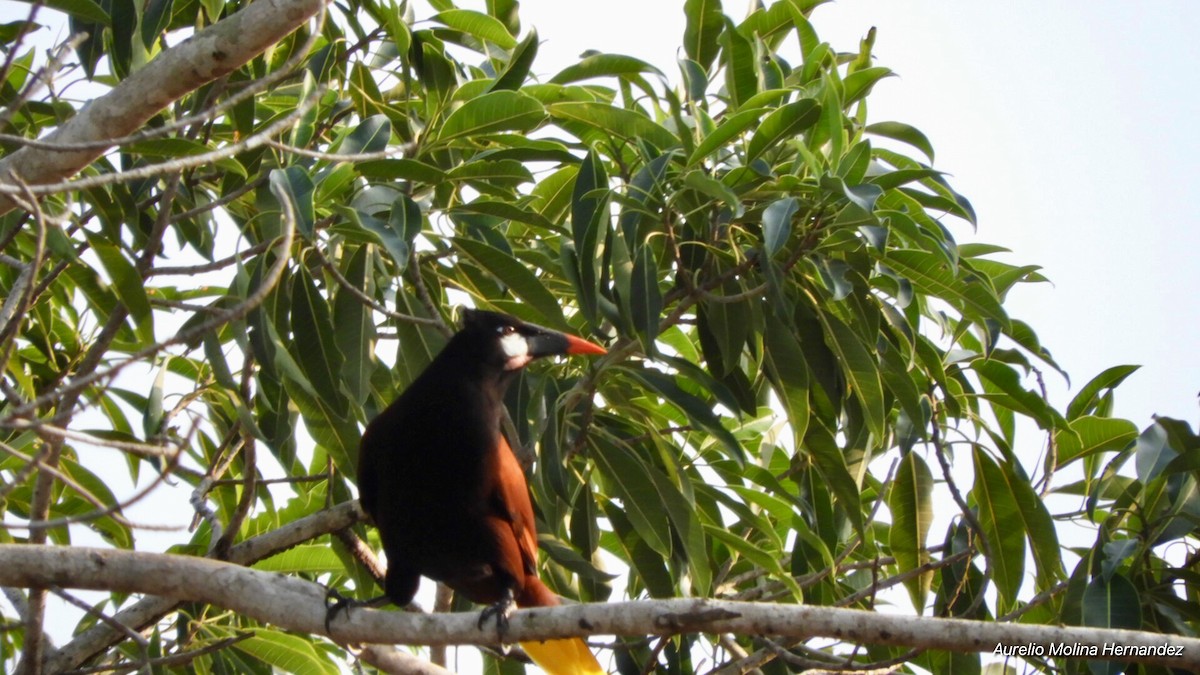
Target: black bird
(445, 490)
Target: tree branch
(215, 51)
(150, 609)
(298, 605)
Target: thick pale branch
(150, 609)
(299, 605)
(209, 54)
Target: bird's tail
(557, 657)
(563, 657)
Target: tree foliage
(814, 393)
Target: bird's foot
(502, 610)
(336, 602)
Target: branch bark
(215, 51)
(298, 605)
(152, 608)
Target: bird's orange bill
(563, 657)
(576, 345)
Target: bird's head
(512, 344)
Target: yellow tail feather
(563, 657)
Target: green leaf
(353, 329)
(303, 559)
(518, 65)
(82, 9)
(784, 361)
(604, 65)
(295, 187)
(831, 464)
(1037, 523)
(1085, 401)
(777, 224)
(727, 129)
(314, 346)
(589, 218)
(904, 133)
(615, 122)
(741, 73)
(686, 521)
(859, 83)
(711, 187)
(400, 169)
(704, 22)
(481, 26)
(492, 112)
(1111, 603)
(1016, 397)
(998, 513)
(630, 479)
(1153, 452)
(757, 556)
(1088, 435)
(334, 431)
(506, 211)
(288, 653)
(510, 272)
(697, 409)
(645, 302)
(931, 274)
(128, 285)
(383, 232)
(781, 124)
(371, 135)
(861, 370)
(911, 504)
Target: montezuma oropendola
(445, 490)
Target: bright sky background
(1070, 126)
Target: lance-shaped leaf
(492, 112)
(614, 122)
(781, 124)
(904, 133)
(645, 302)
(517, 277)
(286, 653)
(741, 73)
(726, 130)
(589, 218)
(777, 223)
(932, 275)
(604, 65)
(1088, 435)
(860, 369)
(911, 504)
(372, 135)
(127, 283)
(1000, 518)
(518, 65)
(1111, 603)
(630, 479)
(315, 348)
(353, 330)
(295, 186)
(703, 25)
(1085, 401)
(698, 410)
(476, 24)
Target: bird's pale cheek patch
(516, 351)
